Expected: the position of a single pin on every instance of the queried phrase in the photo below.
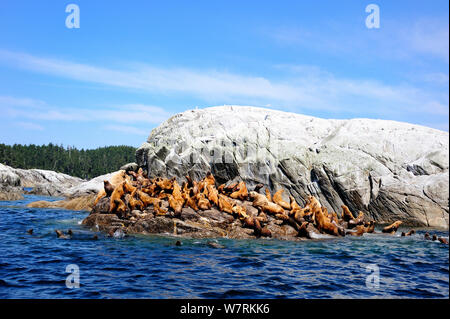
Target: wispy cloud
(29, 126)
(306, 88)
(126, 129)
(112, 118)
(395, 40)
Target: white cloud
(29, 126)
(39, 110)
(126, 129)
(308, 87)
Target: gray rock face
(390, 170)
(43, 182)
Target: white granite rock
(390, 170)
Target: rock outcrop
(42, 182)
(390, 170)
(9, 184)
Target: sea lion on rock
(391, 229)
(324, 225)
(278, 199)
(346, 214)
(241, 192)
(225, 204)
(116, 196)
(176, 205)
(213, 194)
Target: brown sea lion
(202, 202)
(225, 204)
(241, 211)
(427, 236)
(324, 225)
(346, 214)
(30, 231)
(268, 195)
(241, 192)
(391, 229)
(159, 211)
(278, 199)
(175, 204)
(116, 196)
(443, 240)
(213, 194)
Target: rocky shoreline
(133, 204)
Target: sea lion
(241, 192)
(240, 211)
(294, 206)
(128, 188)
(60, 234)
(427, 236)
(370, 227)
(359, 231)
(443, 240)
(278, 199)
(178, 243)
(225, 204)
(210, 180)
(159, 211)
(324, 225)
(261, 201)
(268, 195)
(411, 232)
(135, 203)
(30, 231)
(356, 221)
(213, 194)
(391, 229)
(346, 214)
(116, 196)
(120, 207)
(258, 187)
(202, 202)
(175, 204)
(434, 237)
(147, 199)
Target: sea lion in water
(443, 240)
(434, 237)
(30, 231)
(391, 229)
(60, 234)
(427, 236)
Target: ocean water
(372, 266)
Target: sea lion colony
(131, 195)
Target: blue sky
(133, 64)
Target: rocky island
(242, 172)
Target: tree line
(69, 160)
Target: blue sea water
(34, 266)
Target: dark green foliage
(81, 163)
